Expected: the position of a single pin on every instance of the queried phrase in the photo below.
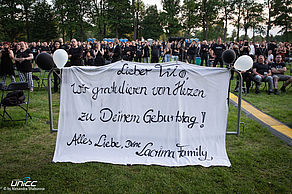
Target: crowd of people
(270, 58)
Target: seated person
(247, 77)
(270, 56)
(278, 69)
(262, 72)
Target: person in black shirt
(99, 55)
(262, 72)
(146, 52)
(56, 73)
(133, 50)
(34, 49)
(192, 53)
(75, 54)
(116, 51)
(63, 45)
(278, 69)
(110, 52)
(88, 55)
(218, 49)
(6, 66)
(244, 49)
(235, 48)
(175, 51)
(204, 50)
(45, 48)
(155, 50)
(186, 47)
(127, 52)
(24, 66)
(273, 46)
(139, 51)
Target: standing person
(139, 52)
(116, 51)
(45, 48)
(127, 52)
(251, 50)
(146, 52)
(63, 45)
(23, 58)
(56, 73)
(192, 53)
(262, 72)
(270, 56)
(34, 49)
(204, 50)
(99, 55)
(281, 50)
(88, 55)
(6, 66)
(75, 54)
(155, 50)
(167, 52)
(162, 46)
(273, 46)
(235, 48)
(262, 50)
(244, 49)
(110, 52)
(133, 50)
(175, 51)
(187, 45)
(218, 49)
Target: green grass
(261, 163)
(278, 106)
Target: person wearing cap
(6, 66)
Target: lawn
(261, 163)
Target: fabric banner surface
(170, 114)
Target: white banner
(171, 114)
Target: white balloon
(60, 58)
(243, 63)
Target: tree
(72, 16)
(98, 18)
(281, 14)
(253, 15)
(209, 14)
(170, 13)
(26, 13)
(150, 25)
(238, 12)
(60, 12)
(269, 19)
(10, 15)
(190, 16)
(119, 17)
(43, 24)
(227, 6)
(256, 18)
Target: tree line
(39, 20)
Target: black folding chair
(36, 78)
(19, 86)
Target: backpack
(13, 98)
